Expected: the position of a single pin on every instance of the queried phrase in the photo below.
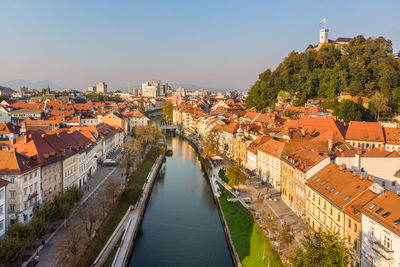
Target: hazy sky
(223, 44)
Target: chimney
(330, 144)
(43, 135)
(361, 177)
(342, 167)
(370, 178)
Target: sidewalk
(250, 195)
(47, 254)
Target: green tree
(141, 106)
(39, 226)
(235, 175)
(20, 231)
(211, 143)
(379, 105)
(11, 249)
(321, 249)
(167, 110)
(361, 67)
(350, 111)
(285, 235)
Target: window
(347, 198)
(30, 176)
(30, 188)
(1, 209)
(387, 242)
(349, 224)
(372, 206)
(338, 217)
(12, 180)
(12, 207)
(378, 211)
(355, 227)
(383, 183)
(25, 177)
(393, 183)
(386, 214)
(25, 190)
(1, 225)
(12, 194)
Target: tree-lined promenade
(86, 227)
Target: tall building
(151, 89)
(323, 36)
(101, 87)
(164, 89)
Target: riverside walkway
(131, 221)
(47, 253)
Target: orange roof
(338, 185)
(305, 159)
(365, 131)
(8, 128)
(14, 163)
(272, 147)
(392, 135)
(385, 210)
(318, 125)
(256, 143)
(24, 105)
(380, 153)
(353, 210)
(231, 127)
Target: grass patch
(112, 221)
(222, 175)
(247, 236)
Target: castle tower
(323, 36)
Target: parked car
(109, 163)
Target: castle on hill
(323, 39)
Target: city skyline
(213, 45)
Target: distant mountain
(15, 84)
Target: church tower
(323, 36)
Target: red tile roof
(338, 185)
(365, 131)
(385, 210)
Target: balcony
(33, 195)
(382, 250)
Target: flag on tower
(322, 21)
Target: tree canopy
(97, 97)
(362, 67)
(321, 249)
(235, 175)
(167, 110)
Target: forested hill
(362, 67)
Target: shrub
(20, 231)
(39, 226)
(11, 249)
(133, 192)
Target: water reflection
(181, 226)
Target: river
(181, 225)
